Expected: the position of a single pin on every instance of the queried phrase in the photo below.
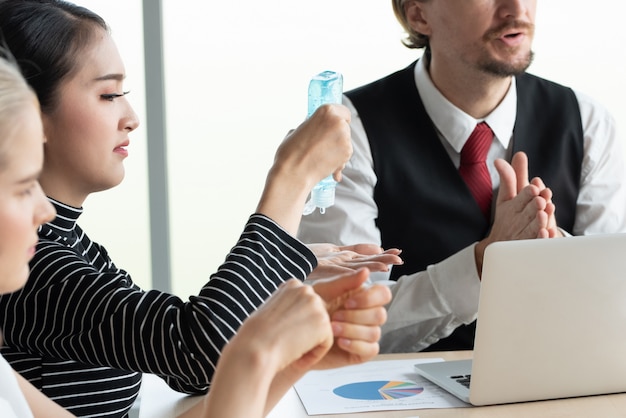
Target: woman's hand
(334, 260)
(273, 348)
(321, 145)
(357, 313)
(292, 328)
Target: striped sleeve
(70, 309)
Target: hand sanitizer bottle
(325, 87)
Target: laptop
(551, 323)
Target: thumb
(331, 289)
(508, 180)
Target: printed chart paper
(373, 386)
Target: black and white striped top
(81, 329)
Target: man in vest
(405, 188)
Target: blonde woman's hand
(357, 313)
(293, 325)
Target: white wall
(237, 75)
(118, 218)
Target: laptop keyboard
(463, 379)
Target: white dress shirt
(428, 305)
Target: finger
(394, 251)
(519, 162)
(538, 182)
(369, 297)
(369, 333)
(385, 258)
(535, 211)
(388, 259)
(527, 195)
(554, 233)
(553, 230)
(370, 316)
(546, 193)
(373, 263)
(366, 249)
(508, 181)
(337, 175)
(334, 288)
(538, 204)
(360, 350)
(543, 233)
(372, 266)
(352, 259)
(369, 249)
(550, 210)
(351, 252)
(536, 218)
(341, 111)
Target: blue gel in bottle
(325, 87)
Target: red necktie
(473, 168)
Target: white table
(159, 401)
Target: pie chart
(378, 390)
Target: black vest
(424, 206)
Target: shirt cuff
(457, 283)
(287, 240)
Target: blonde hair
(414, 39)
(15, 96)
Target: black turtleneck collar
(67, 216)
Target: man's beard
(506, 69)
